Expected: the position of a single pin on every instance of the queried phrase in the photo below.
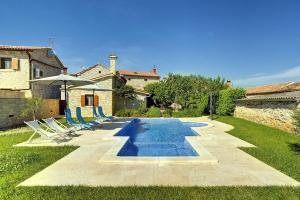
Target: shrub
(202, 104)
(140, 111)
(153, 112)
(296, 117)
(226, 100)
(187, 113)
(125, 112)
(32, 106)
(167, 113)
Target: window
(36, 72)
(145, 79)
(88, 100)
(5, 63)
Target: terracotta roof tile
(137, 73)
(21, 48)
(275, 88)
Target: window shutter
(82, 100)
(15, 63)
(96, 100)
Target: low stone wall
(11, 93)
(277, 114)
(11, 109)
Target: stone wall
(46, 91)
(105, 100)
(15, 79)
(277, 114)
(11, 109)
(139, 82)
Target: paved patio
(220, 162)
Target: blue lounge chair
(100, 111)
(97, 116)
(82, 121)
(72, 122)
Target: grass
(277, 148)
(18, 164)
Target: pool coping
(205, 157)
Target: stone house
(19, 65)
(271, 105)
(108, 78)
(139, 80)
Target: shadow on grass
(295, 147)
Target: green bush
(226, 100)
(187, 113)
(202, 104)
(296, 117)
(153, 112)
(167, 113)
(125, 112)
(140, 111)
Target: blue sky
(249, 42)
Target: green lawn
(274, 147)
(277, 148)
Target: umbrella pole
(66, 97)
(93, 102)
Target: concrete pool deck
(88, 165)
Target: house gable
(93, 72)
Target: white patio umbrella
(92, 87)
(63, 79)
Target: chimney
(228, 84)
(65, 70)
(154, 70)
(112, 63)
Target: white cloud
(291, 74)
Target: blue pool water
(158, 137)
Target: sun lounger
(59, 127)
(72, 122)
(45, 132)
(100, 111)
(82, 121)
(97, 116)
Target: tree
(184, 90)
(31, 106)
(125, 91)
(226, 100)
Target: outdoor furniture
(72, 122)
(59, 127)
(98, 117)
(82, 121)
(100, 111)
(46, 133)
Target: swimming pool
(158, 137)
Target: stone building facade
(139, 79)
(19, 65)
(271, 105)
(107, 78)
